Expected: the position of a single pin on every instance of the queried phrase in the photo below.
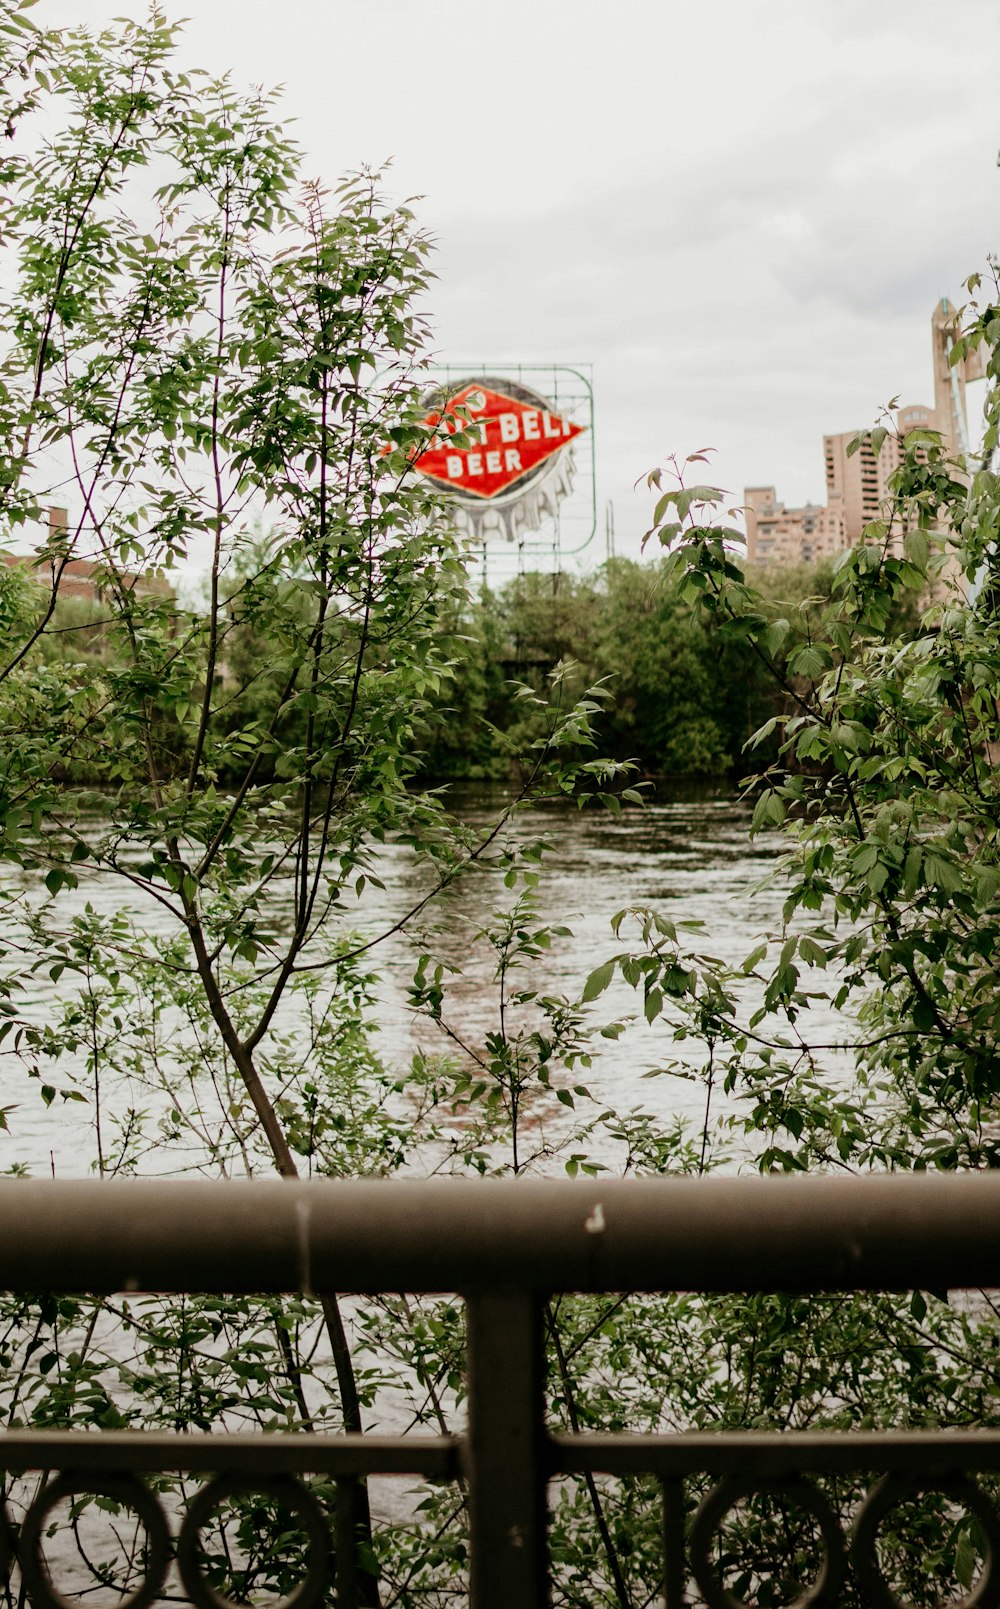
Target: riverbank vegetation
(683, 693)
(197, 347)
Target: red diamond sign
(514, 439)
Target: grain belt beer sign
(518, 465)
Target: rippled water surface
(687, 856)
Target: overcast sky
(740, 212)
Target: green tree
(887, 788)
(684, 692)
(196, 344)
(672, 687)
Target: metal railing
(505, 1247)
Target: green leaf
(769, 810)
(911, 872)
(754, 958)
(916, 546)
(811, 660)
(987, 883)
(775, 636)
(763, 732)
(598, 980)
(942, 873)
(665, 502)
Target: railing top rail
(291, 1453)
(766, 1454)
(888, 1232)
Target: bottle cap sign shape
(512, 439)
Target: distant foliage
(684, 694)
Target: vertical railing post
(674, 1552)
(505, 1452)
(346, 1572)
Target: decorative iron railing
(505, 1247)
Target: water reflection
(687, 855)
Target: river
(687, 854)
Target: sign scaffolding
(524, 479)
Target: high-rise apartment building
(780, 535)
(857, 486)
(860, 481)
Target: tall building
(860, 481)
(950, 379)
(780, 535)
(857, 486)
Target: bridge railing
(505, 1247)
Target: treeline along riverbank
(682, 690)
(685, 691)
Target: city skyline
(858, 479)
